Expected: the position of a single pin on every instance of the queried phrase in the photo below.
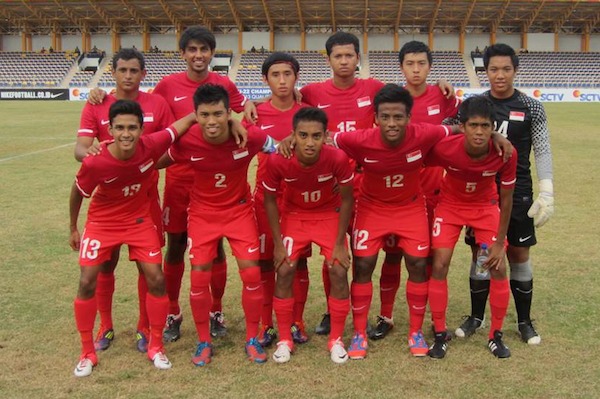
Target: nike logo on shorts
(251, 250)
(422, 247)
(523, 239)
(153, 253)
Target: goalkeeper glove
(543, 207)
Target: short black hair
(310, 114)
(198, 33)
(392, 93)
(500, 49)
(210, 94)
(280, 58)
(127, 54)
(340, 39)
(415, 46)
(125, 107)
(476, 106)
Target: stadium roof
(382, 16)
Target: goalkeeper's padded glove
(543, 207)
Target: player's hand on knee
(280, 257)
(496, 256)
(340, 256)
(542, 208)
(96, 96)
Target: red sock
(252, 298)
(143, 323)
(85, 315)
(105, 287)
(361, 294)
(157, 308)
(173, 274)
(339, 309)
(268, 283)
(200, 302)
(284, 311)
(499, 297)
(416, 298)
(389, 283)
(438, 302)
(300, 287)
(217, 284)
(326, 280)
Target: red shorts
(98, 243)
(449, 221)
(299, 234)
(372, 226)
(175, 204)
(265, 236)
(237, 224)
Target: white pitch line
(35, 152)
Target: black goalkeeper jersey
(522, 120)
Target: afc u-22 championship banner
(257, 92)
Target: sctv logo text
(548, 96)
(586, 97)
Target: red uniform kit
(157, 116)
(179, 91)
(119, 212)
(390, 190)
(220, 201)
(278, 125)
(347, 109)
(221, 206)
(432, 107)
(469, 194)
(309, 209)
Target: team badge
(148, 117)
(433, 110)
(414, 156)
(145, 166)
(516, 116)
(240, 153)
(363, 102)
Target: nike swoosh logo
(494, 238)
(385, 289)
(422, 247)
(323, 106)
(265, 127)
(289, 180)
(523, 239)
(418, 307)
(251, 250)
(55, 95)
(153, 253)
(454, 169)
(108, 181)
(253, 288)
(323, 179)
(361, 308)
(367, 160)
(194, 159)
(196, 293)
(103, 122)
(179, 98)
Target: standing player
(392, 156)
(128, 70)
(280, 72)
(430, 106)
(311, 212)
(523, 121)
(120, 178)
(469, 196)
(221, 206)
(197, 46)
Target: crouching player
(311, 213)
(119, 213)
(221, 206)
(469, 197)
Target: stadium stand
(20, 69)
(555, 69)
(449, 65)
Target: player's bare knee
(416, 268)
(266, 265)
(363, 269)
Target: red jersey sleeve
(87, 178)
(159, 142)
(272, 178)
(87, 123)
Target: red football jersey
(178, 89)
(94, 118)
(347, 109)
(391, 174)
(470, 182)
(309, 192)
(122, 194)
(221, 171)
(277, 124)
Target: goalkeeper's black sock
(479, 294)
(522, 293)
